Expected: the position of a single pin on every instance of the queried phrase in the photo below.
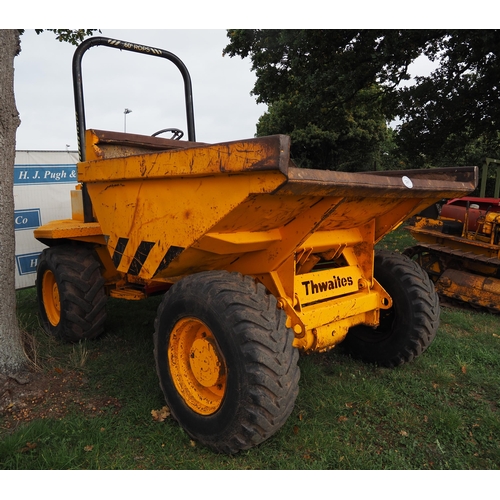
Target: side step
(136, 293)
(127, 294)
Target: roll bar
(132, 47)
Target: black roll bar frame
(131, 47)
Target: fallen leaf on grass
(89, 447)
(342, 418)
(28, 447)
(160, 415)
(464, 369)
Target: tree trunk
(13, 360)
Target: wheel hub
(204, 362)
(51, 299)
(197, 366)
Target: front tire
(225, 360)
(70, 293)
(409, 326)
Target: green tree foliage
(71, 36)
(334, 91)
(453, 114)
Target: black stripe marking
(119, 250)
(140, 257)
(171, 254)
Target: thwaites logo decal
(312, 288)
(322, 285)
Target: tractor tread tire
(266, 363)
(414, 315)
(81, 292)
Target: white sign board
(42, 184)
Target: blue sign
(26, 264)
(27, 219)
(43, 174)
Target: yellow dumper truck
(257, 260)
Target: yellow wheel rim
(51, 301)
(197, 366)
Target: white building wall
(42, 184)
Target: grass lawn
(97, 405)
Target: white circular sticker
(407, 182)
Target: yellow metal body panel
(141, 213)
(333, 320)
(205, 161)
(244, 207)
(70, 229)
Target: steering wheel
(176, 133)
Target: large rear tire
(225, 360)
(409, 326)
(70, 292)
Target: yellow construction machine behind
(257, 259)
(459, 248)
